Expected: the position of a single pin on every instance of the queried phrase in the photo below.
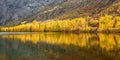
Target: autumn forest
(107, 21)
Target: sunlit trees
(81, 24)
(3, 29)
(52, 26)
(117, 23)
(106, 23)
(58, 28)
(42, 27)
(93, 23)
(65, 25)
(35, 26)
(11, 29)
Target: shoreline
(59, 32)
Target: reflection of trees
(16, 49)
(109, 41)
(36, 44)
(105, 41)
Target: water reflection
(59, 46)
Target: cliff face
(13, 10)
(16, 9)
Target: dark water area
(59, 46)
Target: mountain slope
(73, 8)
(65, 9)
(11, 10)
(113, 9)
(92, 17)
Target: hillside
(59, 9)
(92, 16)
(113, 9)
(14, 10)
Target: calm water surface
(59, 46)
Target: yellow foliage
(106, 22)
(118, 10)
(117, 18)
(103, 24)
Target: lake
(59, 46)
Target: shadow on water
(59, 46)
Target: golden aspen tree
(117, 25)
(106, 22)
(35, 26)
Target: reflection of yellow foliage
(105, 41)
(117, 37)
